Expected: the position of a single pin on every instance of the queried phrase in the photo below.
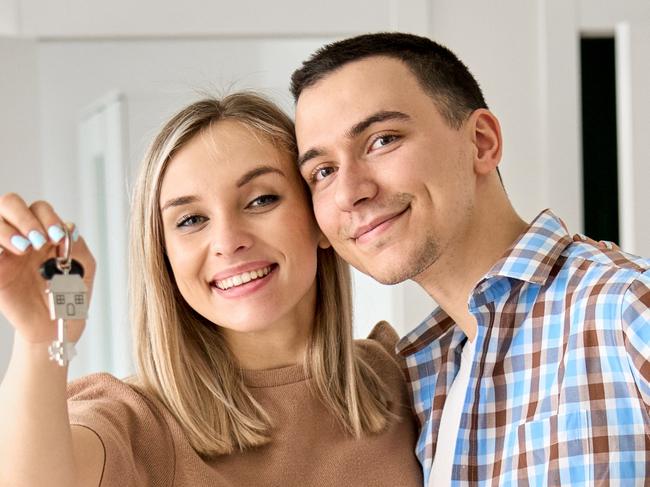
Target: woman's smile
(245, 283)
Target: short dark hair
(440, 73)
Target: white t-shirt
(443, 460)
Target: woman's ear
(323, 242)
(486, 136)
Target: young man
(535, 366)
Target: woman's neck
(280, 346)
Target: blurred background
(85, 84)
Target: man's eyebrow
(310, 154)
(355, 130)
(376, 117)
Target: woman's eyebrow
(180, 201)
(256, 172)
(245, 179)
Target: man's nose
(230, 235)
(354, 185)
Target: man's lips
(376, 225)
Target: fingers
(81, 252)
(23, 228)
(49, 220)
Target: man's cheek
(325, 214)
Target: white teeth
(242, 278)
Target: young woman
(247, 373)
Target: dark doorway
(599, 147)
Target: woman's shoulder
(105, 388)
(97, 386)
(132, 426)
(102, 397)
(379, 347)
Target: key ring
(64, 262)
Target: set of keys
(67, 298)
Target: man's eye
(190, 220)
(263, 200)
(382, 141)
(321, 173)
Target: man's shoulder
(609, 263)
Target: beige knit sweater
(145, 446)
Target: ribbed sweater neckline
(274, 377)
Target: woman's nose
(230, 236)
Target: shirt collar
(531, 258)
(431, 329)
(533, 255)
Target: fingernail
(75, 234)
(20, 242)
(582, 237)
(37, 239)
(56, 233)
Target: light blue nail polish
(56, 233)
(37, 239)
(75, 234)
(20, 242)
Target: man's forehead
(376, 73)
(351, 93)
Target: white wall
(195, 18)
(9, 24)
(498, 41)
(19, 136)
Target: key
(67, 297)
(68, 300)
(51, 267)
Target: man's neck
(452, 278)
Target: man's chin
(403, 271)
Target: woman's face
(239, 232)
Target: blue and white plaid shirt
(559, 391)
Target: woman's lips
(245, 288)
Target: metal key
(50, 268)
(68, 300)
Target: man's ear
(486, 136)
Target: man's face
(392, 183)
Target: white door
(105, 345)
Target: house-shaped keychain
(67, 297)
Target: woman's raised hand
(29, 235)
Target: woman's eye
(264, 200)
(382, 141)
(190, 220)
(321, 173)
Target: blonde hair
(182, 358)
